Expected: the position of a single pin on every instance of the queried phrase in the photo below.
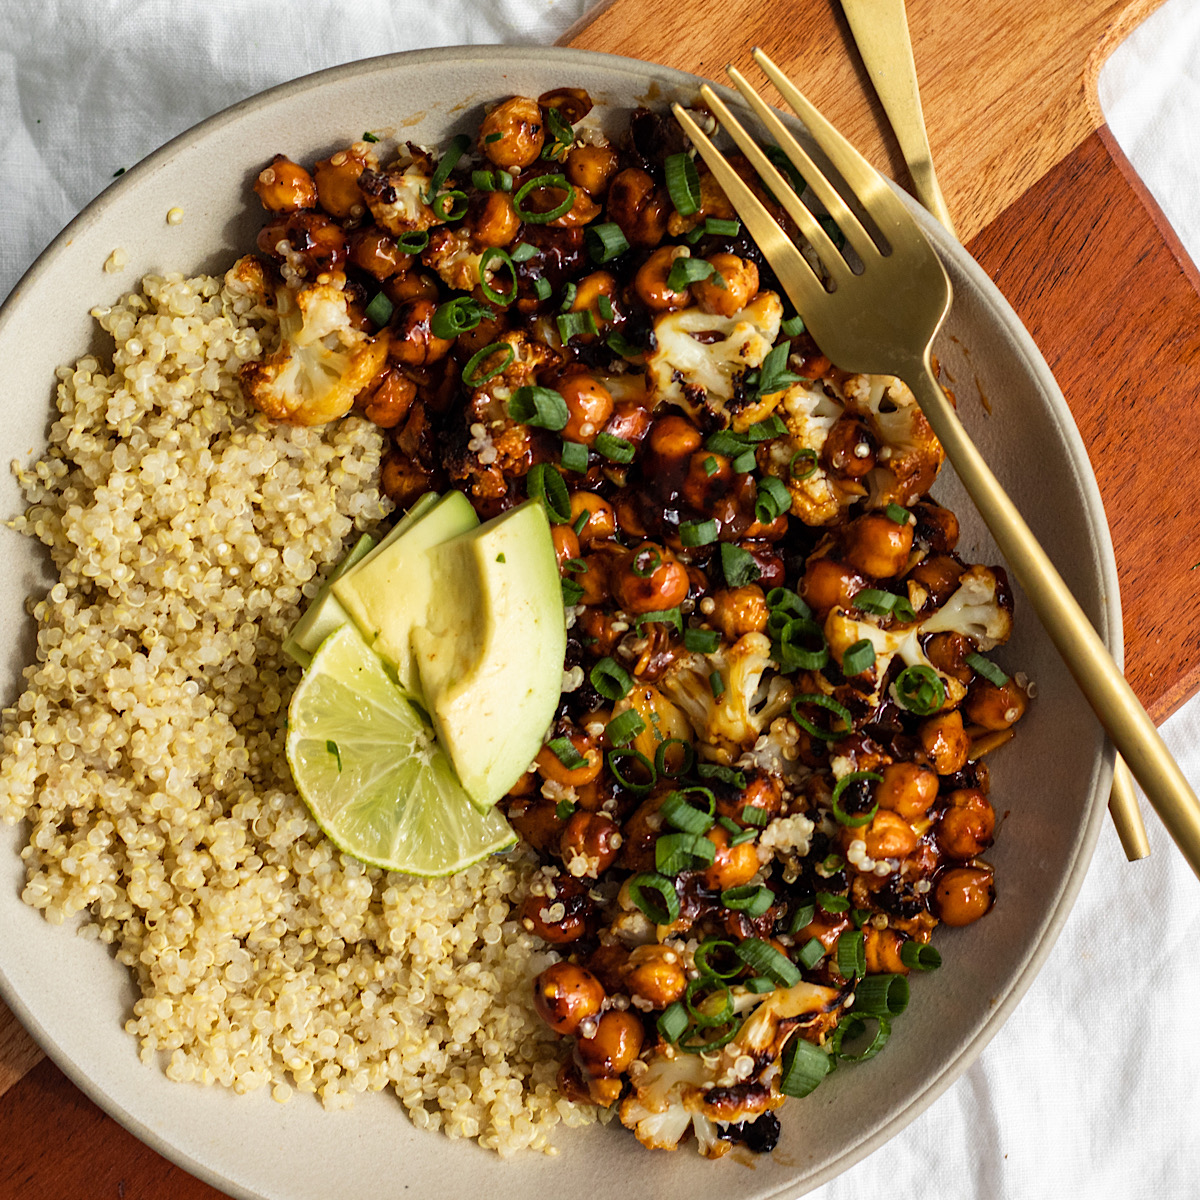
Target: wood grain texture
(19, 1053)
(1111, 304)
(59, 1146)
(1007, 86)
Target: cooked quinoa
(146, 752)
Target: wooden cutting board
(1049, 207)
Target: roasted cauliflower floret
(453, 256)
(910, 456)
(980, 609)
(699, 356)
(396, 198)
(321, 361)
(748, 704)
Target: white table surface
(1092, 1088)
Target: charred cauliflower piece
(395, 198)
(747, 706)
(699, 356)
(321, 361)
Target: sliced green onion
(738, 565)
(544, 483)
(755, 814)
(646, 562)
(490, 255)
(493, 137)
(793, 653)
(414, 242)
(722, 227)
(920, 690)
(624, 727)
(697, 533)
(564, 810)
(604, 304)
(690, 1046)
(792, 327)
(897, 513)
(615, 449)
(678, 811)
(724, 774)
(580, 523)
(454, 151)
(611, 679)
(810, 953)
(766, 429)
(920, 956)
(881, 995)
(716, 685)
(458, 205)
(686, 270)
(773, 499)
(859, 658)
(758, 985)
(564, 750)
(540, 406)
(860, 917)
(801, 917)
(622, 346)
(605, 241)
(574, 457)
(554, 182)
(457, 316)
(830, 902)
(773, 375)
(675, 852)
(984, 666)
(469, 376)
(744, 463)
(673, 1021)
(710, 946)
(683, 183)
(762, 958)
(655, 895)
(806, 456)
(542, 288)
(854, 1025)
(746, 835)
(380, 310)
(785, 600)
(576, 324)
(523, 253)
(701, 1015)
(701, 641)
(750, 899)
(884, 604)
(830, 705)
(572, 592)
(689, 757)
(711, 466)
(485, 181)
(504, 181)
(663, 616)
(851, 960)
(568, 297)
(726, 442)
(369, 137)
(803, 1067)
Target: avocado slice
(324, 615)
(490, 652)
(388, 594)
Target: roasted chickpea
(375, 251)
(589, 405)
(562, 917)
(739, 610)
(591, 167)
(709, 483)
(650, 283)
(601, 523)
(762, 791)
(673, 437)
(649, 578)
(639, 207)
(938, 575)
(828, 583)
(945, 742)
(907, 789)
(733, 865)
(402, 479)
(881, 949)
(519, 123)
(535, 817)
(413, 340)
(285, 186)
(587, 297)
(583, 209)
(492, 221)
(615, 1044)
(565, 994)
(589, 844)
(566, 544)
(948, 652)
(850, 449)
(595, 581)
(876, 545)
(964, 894)
(965, 829)
(337, 184)
(656, 976)
(825, 927)
(630, 421)
(995, 707)
(628, 511)
(308, 242)
(888, 835)
(937, 527)
(740, 279)
(551, 767)
(387, 404)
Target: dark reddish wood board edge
(1108, 293)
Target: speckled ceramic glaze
(1051, 783)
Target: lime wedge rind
(370, 772)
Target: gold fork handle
(1124, 719)
(880, 28)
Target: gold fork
(883, 320)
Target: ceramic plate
(1049, 786)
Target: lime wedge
(366, 763)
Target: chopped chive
(986, 668)
(611, 679)
(574, 457)
(697, 533)
(540, 406)
(701, 641)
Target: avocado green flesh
(388, 594)
(324, 615)
(490, 654)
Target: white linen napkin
(1092, 1088)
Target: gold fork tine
(820, 241)
(837, 208)
(763, 227)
